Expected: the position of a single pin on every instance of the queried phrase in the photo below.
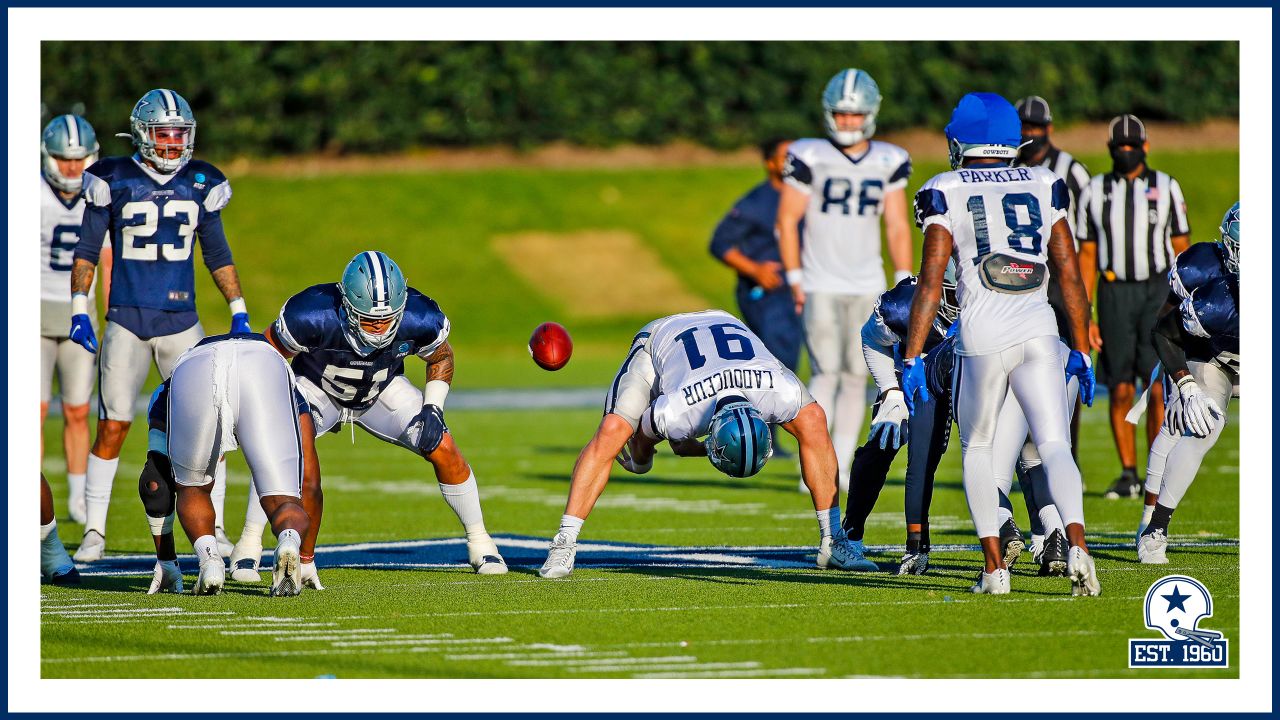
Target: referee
(1132, 222)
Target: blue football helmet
(67, 137)
(949, 307)
(159, 109)
(373, 291)
(851, 91)
(1229, 238)
(983, 125)
(738, 443)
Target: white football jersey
(840, 244)
(1004, 215)
(700, 356)
(59, 235)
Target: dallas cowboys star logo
(716, 451)
(1175, 600)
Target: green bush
(273, 98)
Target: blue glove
(954, 329)
(429, 425)
(240, 323)
(914, 382)
(1080, 367)
(82, 333)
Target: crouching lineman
(1003, 224)
(694, 375)
(228, 391)
(348, 341)
(1197, 339)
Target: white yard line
(701, 666)
(587, 663)
(762, 672)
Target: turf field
(682, 571)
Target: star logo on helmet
(716, 451)
(1176, 601)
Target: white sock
(1147, 510)
(255, 518)
(828, 519)
(219, 493)
(464, 500)
(206, 547)
(1003, 515)
(97, 492)
(46, 529)
(571, 525)
(1051, 520)
(289, 535)
(75, 486)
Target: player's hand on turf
(1200, 414)
(82, 333)
(240, 323)
(1080, 367)
(914, 386)
(769, 275)
(890, 421)
(429, 426)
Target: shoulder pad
(1196, 266)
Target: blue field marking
(524, 551)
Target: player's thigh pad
(822, 332)
(981, 384)
(325, 413)
(75, 373)
(196, 423)
(123, 362)
(631, 392)
(266, 424)
(48, 358)
(168, 348)
(395, 408)
(1039, 384)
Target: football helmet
(154, 111)
(373, 290)
(739, 443)
(1229, 239)
(67, 137)
(949, 307)
(1175, 606)
(983, 125)
(851, 91)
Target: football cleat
(560, 556)
(310, 578)
(245, 557)
(1052, 558)
(55, 565)
(166, 578)
(224, 543)
(841, 553)
(1151, 548)
(78, 509)
(91, 547)
(286, 569)
(1011, 542)
(212, 576)
(914, 564)
(484, 557)
(992, 583)
(1036, 547)
(1083, 574)
(1125, 486)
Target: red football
(551, 346)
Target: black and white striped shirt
(1073, 173)
(1132, 221)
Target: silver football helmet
(67, 137)
(159, 110)
(851, 91)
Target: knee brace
(156, 487)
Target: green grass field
(683, 599)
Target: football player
(841, 186)
(154, 206)
(228, 392)
(695, 375)
(1198, 341)
(348, 341)
(1002, 224)
(67, 146)
(55, 565)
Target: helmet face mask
(1229, 238)
(851, 92)
(67, 138)
(163, 128)
(374, 294)
(738, 443)
(949, 306)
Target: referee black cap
(1034, 109)
(1126, 130)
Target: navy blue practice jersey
(1212, 314)
(313, 325)
(154, 221)
(1199, 266)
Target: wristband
(435, 392)
(795, 277)
(237, 306)
(79, 304)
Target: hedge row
(271, 98)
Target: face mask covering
(1033, 147)
(1126, 160)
